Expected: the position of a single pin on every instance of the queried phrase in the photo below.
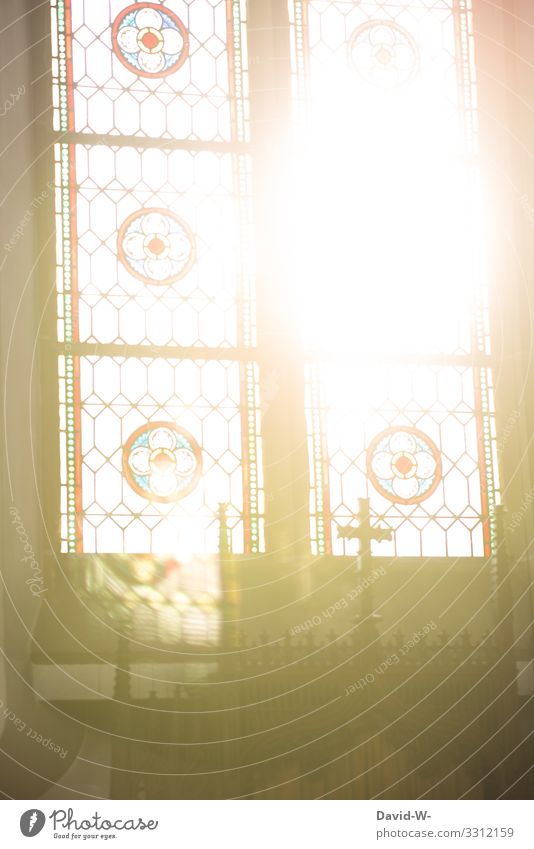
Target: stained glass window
(158, 355)
(390, 266)
(173, 70)
(159, 407)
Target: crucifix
(365, 534)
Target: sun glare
(385, 207)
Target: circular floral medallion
(403, 465)
(162, 462)
(156, 246)
(150, 40)
(384, 53)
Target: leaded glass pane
(155, 254)
(152, 236)
(389, 262)
(410, 63)
(162, 70)
(151, 447)
(413, 440)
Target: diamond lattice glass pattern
(162, 70)
(394, 223)
(409, 439)
(153, 235)
(154, 253)
(158, 446)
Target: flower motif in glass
(383, 53)
(156, 246)
(404, 465)
(150, 40)
(162, 462)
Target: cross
(366, 534)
